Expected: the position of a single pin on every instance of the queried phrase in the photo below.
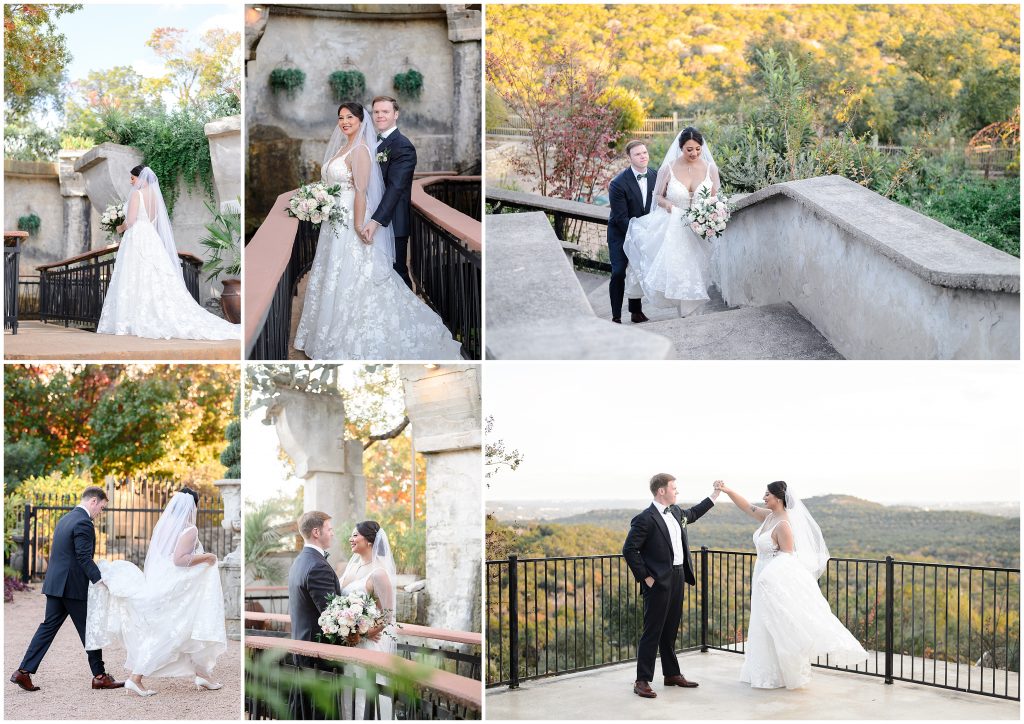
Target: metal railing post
(513, 623)
(890, 599)
(704, 599)
(25, 542)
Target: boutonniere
(682, 522)
(382, 156)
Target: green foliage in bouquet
(347, 85)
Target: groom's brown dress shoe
(680, 680)
(24, 680)
(638, 317)
(106, 681)
(642, 688)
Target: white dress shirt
(386, 133)
(675, 534)
(642, 183)
(317, 548)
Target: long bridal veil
(156, 210)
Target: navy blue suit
(310, 581)
(66, 586)
(398, 165)
(648, 552)
(626, 203)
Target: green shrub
(348, 85)
(289, 80)
(30, 223)
(408, 84)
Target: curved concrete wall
(878, 280)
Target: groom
(397, 158)
(629, 196)
(66, 586)
(658, 553)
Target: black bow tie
(641, 175)
(380, 136)
(667, 508)
(326, 554)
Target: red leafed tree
(558, 95)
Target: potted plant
(289, 80)
(222, 241)
(409, 84)
(347, 85)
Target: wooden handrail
(264, 589)
(191, 258)
(407, 629)
(461, 688)
(451, 220)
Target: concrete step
(775, 331)
(596, 288)
(38, 341)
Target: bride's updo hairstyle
(356, 109)
(368, 529)
(690, 134)
(193, 493)
(137, 171)
(778, 489)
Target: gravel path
(65, 681)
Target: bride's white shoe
(202, 683)
(129, 684)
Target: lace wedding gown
(385, 644)
(790, 621)
(171, 624)
(352, 313)
(668, 263)
(147, 296)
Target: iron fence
(12, 266)
(516, 126)
(448, 275)
(943, 625)
(123, 530)
(28, 298)
(463, 196)
(71, 292)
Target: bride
(356, 305)
(372, 570)
(790, 621)
(147, 296)
(668, 263)
(170, 615)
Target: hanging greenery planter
(409, 84)
(30, 223)
(348, 85)
(289, 80)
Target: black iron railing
(448, 275)
(12, 265)
(123, 531)
(275, 333)
(943, 625)
(28, 298)
(463, 196)
(71, 292)
(581, 224)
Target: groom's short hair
(633, 144)
(311, 520)
(94, 492)
(380, 99)
(660, 481)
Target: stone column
(311, 429)
(467, 80)
(231, 565)
(443, 405)
(77, 210)
(225, 138)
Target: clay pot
(231, 300)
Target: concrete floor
(38, 341)
(607, 693)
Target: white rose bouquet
(708, 215)
(347, 619)
(315, 203)
(112, 217)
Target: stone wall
(40, 188)
(287, 136)
(878, 280)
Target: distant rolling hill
(853, 528)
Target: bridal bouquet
(315, 203)
(708, 215)
(113, 217)
(348, 618)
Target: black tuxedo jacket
(395, 206)
(626, 202)
(310, 581)
(648, 548)
(71, 567)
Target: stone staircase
(719, 332)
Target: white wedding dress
(385, 644)
(790, 621)
(354, 309)
(147, 296)
(171, 622)
(668, 263)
